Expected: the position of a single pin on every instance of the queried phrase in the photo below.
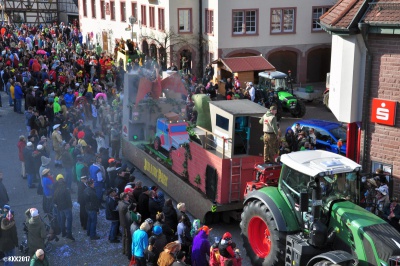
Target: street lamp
(132, 20)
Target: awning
(248, 63)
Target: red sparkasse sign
(383, 112)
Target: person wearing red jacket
(21, 145)
(228, 251)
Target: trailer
(211, 171)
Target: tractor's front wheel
(264, 244)
(299, 110)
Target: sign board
(383, 112)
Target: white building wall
(116, 28)
(347, 77)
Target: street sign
(383, 111)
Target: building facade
(366, 70)
(286, 33)
(40, 12)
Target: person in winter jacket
(167, 230)
(112, 214)
(19, 95)
(63, 203)
(180, 259)
(57, 141)
(167, 257)
(36, 231)
(68, 164)
(48, 190)
(21, 146)
(4, 199)
(123, 205)
(149, 255)
(81, 200)
(227, 250)
(270, 129)
(9, 238)
(143, 203)
(184, 237)
(39, 259)
(201, 247)
(140, 242)
(171, 216)
(92, 205)
(29, 164)
(160, 240)
(154, 207)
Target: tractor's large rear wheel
(264, 244)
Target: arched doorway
(153, 51)
(318, 64)
(185, 61)
(145, 48)
(284, 61)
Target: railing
(211, 141)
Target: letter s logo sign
(382, 113)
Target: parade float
(209, 166)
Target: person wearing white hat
(36, 231)
(30, 167)
(57, 141)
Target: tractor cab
(279, 86)
(328, 176)
(171, 132)
(275, 80)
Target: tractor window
(340, 186)
(177, 129)
(293, 182)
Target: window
(245, 22)
(161, 19)
(102, 9)
(93, 8)
(144, 15)
(283, 20)
(209, 21)
(84, 4)
(112, 7)
(222, 122)
(316, 14)
(152, 22)
(134, 10)
(123, 11)
(184, 20)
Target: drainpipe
(200, 64)
(366, 106)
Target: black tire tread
(276, 257)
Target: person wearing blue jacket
(140, 241)
(19, 95)
(69, 98)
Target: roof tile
(383, 12)
(341, 14)
(249, 63)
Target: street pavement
(83, 251)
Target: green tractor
(312, 219)
(281, 85)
